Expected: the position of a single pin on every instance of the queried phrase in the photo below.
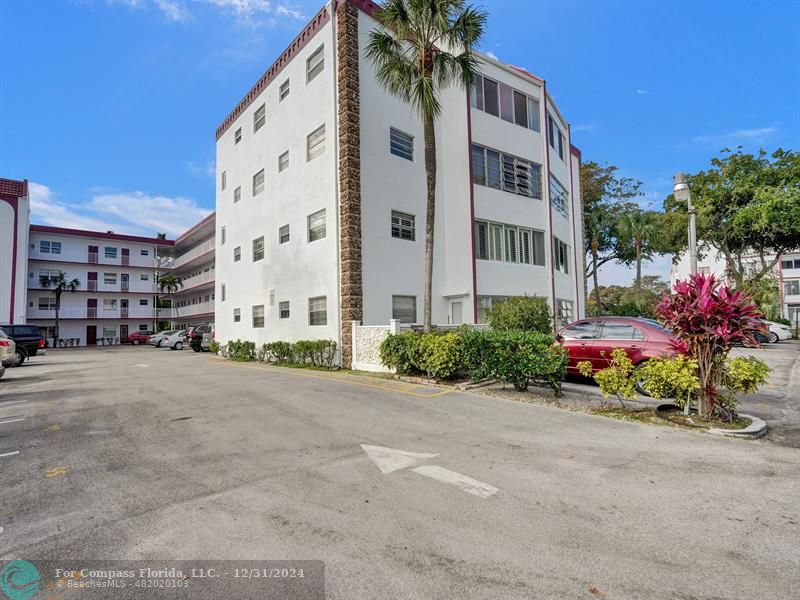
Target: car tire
(178, 346)
(638, 384)
(135, 342)
(21, 356)
(195, 348)
(2, 371)
(773, 338)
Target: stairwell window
(561, 252)
(509, 243)
(259, 117)
(258, 316)
(315, 143)
(258, 183)
(258, 249)
(237, 254)
(283, 161)
(237, 136)
(237, 315)
(237, 194)
(283, 91)
(315, 64)
(316, 226)
(506, 172)
(404, 308)
(401, 144)
(318, 310)
(403, 226)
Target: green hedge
(521, 313)
(317, 353)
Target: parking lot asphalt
(139, 453)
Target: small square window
(283, 234)
(237, 254)
(315, 63)
(316, 225)
(283, 309)
(237, 194)
(258, 249)
(110, 304)
(259, 117)
(109, 331)
(237, 136)
(144, 277)
(237, 315)
(318, 310)
(223, 180)
(258, 182)
(144, 252)
(401, 144)
(315, 143)
(283, 91)
(110, 278)
(283, 161)
(258, 316)
(143, 302)
(110, 252)
(403, 226)
(404, 308)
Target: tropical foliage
(616, 379)
(521, 313)
(620, 300)
(59, 283)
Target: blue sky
(109, 106)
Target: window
(48, 274)
(144, 252)
(565, 312)
(46, 247)
(237, 254)
(401, 144)
(560, 145)
(316, 225)
(620, 331)
(791, 288)
(283, 234)
(258, 249)
(237, 194)
(484, 304)
(223, 180)
(561, 251)
(47, 303)
(555, 137)
(222, 235)
(503, 101)
(144, 277)
(791, 264)
(283, 91)
(258, 182)
(403, 226)
(109, 331)
(404, 308)
(110, 252)
(258, 315)
(704, 270)
(237, 136)
(584, 330)
(315, 64)
(237, 315)
(259, 117)
(551, 131)
(506, 171)
(143, 327)
(283, 161)
(318, 310)
(143, 302)
(315, 143)
(110, 278)
(110, 304)
(509, 243)
(222, 292)
(283, 309)
(558, 196)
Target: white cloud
(209, 170)
(251, 12)
(491, 54)
(588, 127)
(173, 10)
(641, 92)
(759, 135)
(134, 213)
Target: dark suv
(28, 339)
(196, 339)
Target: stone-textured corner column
(351, 301)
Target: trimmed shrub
(241, 350)
(439, 355)
(279, 351)
(674, 378)
(396, 352)
(522, 313)
(744, 375)
(213, 347)
(616, 379)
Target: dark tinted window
(620, 331)
(580, 331)
(22, 330)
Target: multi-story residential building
(321, 195)
(117, 282)
(786, 273)
(14, 214)
(192, 260)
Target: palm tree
(170, 284)
(641, 228)
(598, 225)
(425, 46)
(59, 284)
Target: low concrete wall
(366, 340)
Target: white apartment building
(14, 213)
(321, 196)
(786, 272)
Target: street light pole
(681, 191)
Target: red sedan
(594, 338)
(138, 337)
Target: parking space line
(15, 452)
(12, 420)
(2, 404)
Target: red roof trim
(101, 235)
(13, 188)
(575, 152)
(528, 73)
(195, 227)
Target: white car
(778, 332)
(157, 338)
(8, 352)
(175, 341)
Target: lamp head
(680, 188)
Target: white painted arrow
(389, 460)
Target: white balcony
(192, 282)
(201, 308)
(194, 254)
(93, 258)
(87, 312)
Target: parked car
(778, 332)
(594, 338)
(8, 352)
(205, 345)
(157, 338)
(175, 341)
(28, 339)
(138, 337)
(195, 336)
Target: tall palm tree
(598, 224)
(170, 284)
(424, 47)
(641, 228)
(59, 284)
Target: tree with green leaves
(59, 284)
(747, 207)
(641, 228)
(170, 284)
(606, 198)
(423, 47)
(620, 300)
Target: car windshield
(655, 324)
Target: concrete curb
(755, 430)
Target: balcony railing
(93, 257)
(186, 311)
(89, 312)
(192, 282)
(194, 253)
(91, 285)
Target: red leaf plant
(708, 319)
